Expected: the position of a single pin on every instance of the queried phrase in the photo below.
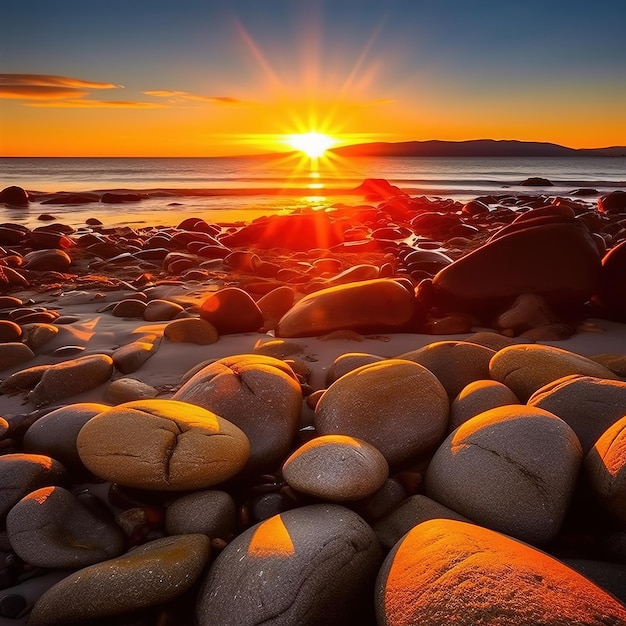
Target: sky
(217, 77)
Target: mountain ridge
(472, 148)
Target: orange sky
(233, 79)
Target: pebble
(72, 377)
(232, 310)
(458, 574)
(51, 528)
(398, 406)
(167, 445)
(589, 405)
(477, 397)
(259, 394)
(336, 468)
(10, 331)
(55, 433)
(314, 564)
(454, 363)
(191, 330)
(372, 305)
(14, 353)
(129, 358)
(212, 513)
(146, 576)
(347, 362)
(526, 368)
(161, 310)
(37, 335)
(22, 473)
(512, 469)
(605, 466)
(128, 389)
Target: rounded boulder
(259, 394)
(166, 445)
(312, 565)
(525, 368)
(336, 468)
(377, 305)
(231, 310)
(398, 406)
(447, 572)
(511, 469)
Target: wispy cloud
(46, 86)
(185, 96)
(94, 104)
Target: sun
(312, 144)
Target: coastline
(111, 300)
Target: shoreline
(285, 306)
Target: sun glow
(312, 144)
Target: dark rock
(614, 202)
(558, 261)
(311, 565)
(15, 196)
(536, 181)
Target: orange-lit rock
(371, 305)
(449, 573)
(166, 445)
(232, 310)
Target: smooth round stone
(9, 331)
(399, 407)
(14, 353)
(614, 202)
(457, 574)
(149, 575)
(310, 565)
(454, 363)
(51, 528)
(47, 260)
(363, 271)
(72, 377)
(611, 292)
(129, 308)
(259, 394)
(275, 304)
(605, 466)
(560, 261)
(22, 473)
(492, 340)
(349, 361)
(55, 433)
(278, 348)
(38, 334)
(411, 512)
(161, 310)
(589, 405)
(511, 469)
(212, 513)
(132, 356)
(14, 195)
(372, 305)
(231, 310)
(191, 330)
(336, 468)
(526, 368)
(166, 445)
(128, 389)
(477, 397)
(608, 575)
(24, 379)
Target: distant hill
(472, 148)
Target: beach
(302, 404)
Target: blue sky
(427, 68)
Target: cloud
(48, 80)
(95, 104)
(185, 96)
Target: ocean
(228, 189)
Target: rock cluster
(464, 482)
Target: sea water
(241, 188)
